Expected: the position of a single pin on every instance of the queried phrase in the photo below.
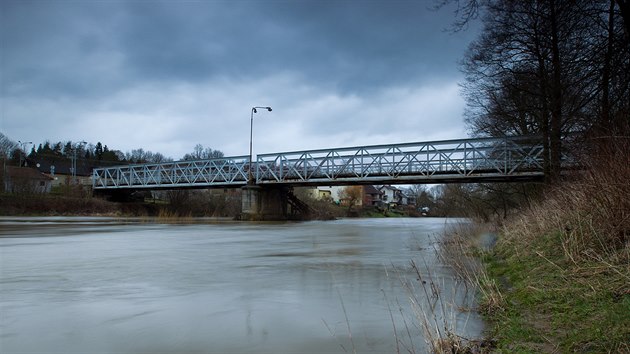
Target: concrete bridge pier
(270, 203)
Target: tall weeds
(442, 309)
(461, 248)
(589, 216)
(567, 259)
(558, 278)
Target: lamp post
(74, 160)
(23, 151)
(251, 135)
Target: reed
(174, 217)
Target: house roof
(62, 166)
(389, 187)
(26, 173)
(369, 189)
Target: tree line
(12, 153)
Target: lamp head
(255, 110)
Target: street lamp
(23, 144)
(251, 135)
(74, 160)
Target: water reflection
(109, 285)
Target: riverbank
(558, 278)
(538, 296)
(85, 205)
(57, 205)
(543, 299)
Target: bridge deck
(465, 160)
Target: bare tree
(464, 11)
(351, 196)
(6, 146)
(549, 67)
(201, 153)
(423, 196)
(141, 156)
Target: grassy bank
(558, 279)
(548, 303)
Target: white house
(396, 196)
(332, 192)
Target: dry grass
(462, 247)
(589, 217)
(558, 279)
(437, 311)
(174, 217)
(568, 257)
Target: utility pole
(74, 160)
(22, 149)
(250, 179)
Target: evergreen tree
(67, 149)
(98, 151)
(57, 150)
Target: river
(95, 285)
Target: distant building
(372, 196)
(391, 195)
(332, 192)
(394, 197)
(60, 169)
(26, 180)
(409, 196)
(322, 193)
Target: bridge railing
(225, 171)
(464, 158)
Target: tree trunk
(604, 119)
(544, 113)
(624, 7)
(555, 142)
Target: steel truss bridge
(449, 161)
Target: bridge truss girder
(221, 172)
(448, 161)
(466, 160)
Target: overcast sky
(167, 75)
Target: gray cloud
(166, 75)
